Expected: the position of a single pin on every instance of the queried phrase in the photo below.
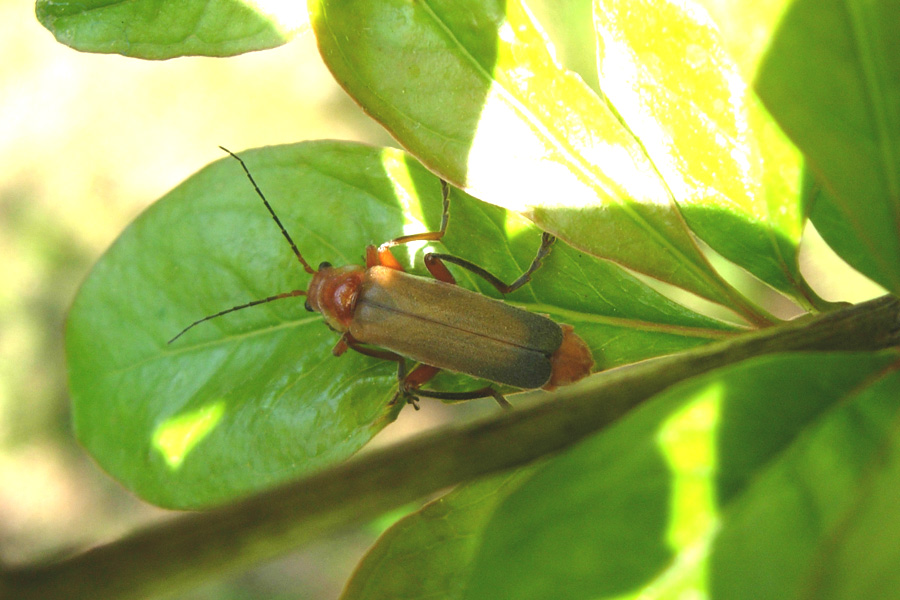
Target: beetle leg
(419, 376)
(348, 341)
(434, 263)
(382, 256)
(341, 346)
(470, 395)
(431, 236)
(438, 269)
(351, 342)
(410, 382)
(410, 385)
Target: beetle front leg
(381, 256)
(430, 236)
(341, 345)
(348, 341)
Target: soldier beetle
(384, 312)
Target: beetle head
(333, 292)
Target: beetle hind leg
(410, 388)
(452, 397)
(381, 256)
(434, 262)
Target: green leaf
(505, 122)
(742, 483)
(832, 79)
(426, 554)
(666, 71)
(254, 398)
(861, 563)
(793, 512)
(160, 29)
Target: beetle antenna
(284, 232)
(290, 294)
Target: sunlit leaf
(473, 91)
(665, 69)
(746, 28)
(569, 26)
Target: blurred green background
(88, 141)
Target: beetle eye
(307, 306)
(324, 265)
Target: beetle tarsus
(407, 395)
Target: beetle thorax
(333, 292)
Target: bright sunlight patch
(177, 436)
(288, 16)
(688, 442)
(397, 169)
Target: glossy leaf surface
(159, 29)
(255, 397)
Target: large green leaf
(158, 29)
(244, 401)
(473, 91)
(763, 480)
(862, 562)
(665, 69)
(832, 79)
(255, 397)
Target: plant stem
(193, 547)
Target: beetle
(383, 312)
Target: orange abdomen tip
(571, 361)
